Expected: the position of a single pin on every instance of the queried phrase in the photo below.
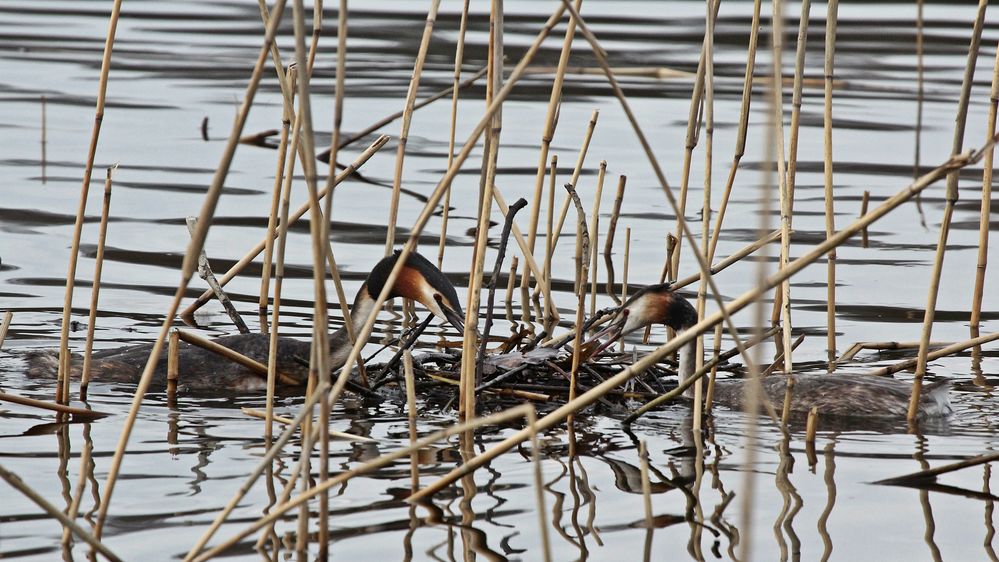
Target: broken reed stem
(949, 350)
(811, 424)
(865, 201)
(261, 415)
(7, 317)
(550, 312)
(95, 288)
(582, 261)
(491, 295)
(205, 272)
(881, 346)
(547, 134)
(521, 411)
(594, 228)
(173, 363)
(576, 171)
(52, 406)
(832, 12)
(459, 55)
(62, 390)
(511, 281)
(712, 365)
(15, 482)
(190, 259)
(248, 258)
(609, 243)
(625, 267)
(407, 117)
(682, 338)
(643, 465)
(740, 142)
(532, 264)
(930, 474)
(799, 72)
(983, 225)
(951, 199)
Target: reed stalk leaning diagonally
(983, 226)
(189, 263)
(735, 305)
(62, 390)
(95, 288)
(951, 200)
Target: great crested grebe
(204, 370)
(832, 394)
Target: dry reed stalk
(625, 267)
(709, 128)
(5, 325)
(62, 390)
(576, 171)
(51, 406)
(44, 139)
(643, 466)
(609, 243)
(234, 356)
(247, 258)
(582, 261)
(601, 57)
(883, 345)
(951, 199)
(510, 282)
(810, 425)
(919, 102)
(407, 117)
(693, 130)
(494, 278)
(983, 225)
(712, 365)
(384, 460)
(15, 482)
(832, 11)
(740, 142)
(786, 195)
(190, 259)
(799, 72)
(550, 311)
(410, 378)
(594, 235)
(532, 264)
(459, 55)
(272, 217)
(734, 258)
(173, 363)
(865, 202)
(260, 414)
(469, 373)
(86, 471)
(934, 355)
(547, 135)
(205, 272)
(268, 457)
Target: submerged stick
(55, 407)
(934, 355)
(930, 474)
(62, 392)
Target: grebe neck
(340, 340)
(688, 363)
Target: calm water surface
(177, 63)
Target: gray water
(179, 62)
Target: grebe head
(653, 304)
(421, 281)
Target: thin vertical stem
(786, 196)
(827, 169)
(95, 289)
(626, 267)
(594, 227)
(983, 225)
(459, 55)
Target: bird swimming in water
(832, 394)
(204, 370)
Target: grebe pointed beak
(453, 318)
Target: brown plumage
(207, 371)
(832, 394)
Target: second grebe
(832, 394)
(204, 370)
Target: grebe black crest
(832, 394)
(203, 370)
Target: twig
(55, 407)
(930, 474)
(491, 295)
(205, 272)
